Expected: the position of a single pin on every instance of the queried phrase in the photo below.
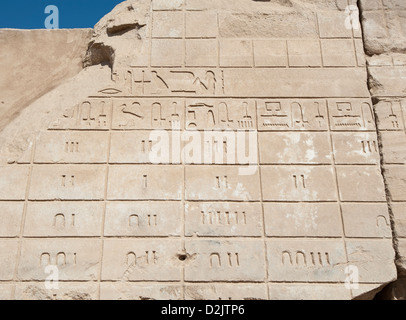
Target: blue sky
(29, 14)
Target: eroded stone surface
(56, 55)
(384, 38)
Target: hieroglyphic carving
(288, 114)
(146, 258)
(130, 114)
(165, 82)
(222, 182)
(230, 259)
(369, 146)
(151, 220)
(71, 146)
(218, 219)
(60, 220)
(67, 180)
(351, 114)
(389, 114)
(299, 181)
(91, 114)
(224, 217)
(302, 258)
(382, 225)
(58, 259)
(220, 114)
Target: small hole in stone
(182, 257)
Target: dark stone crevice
(99, 53)
(122, 29)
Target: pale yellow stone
(302, 219)
(236, 53)
(202, 53)
(6, 291)
(8, 258)
(65, 291)
(304, 53)
(294, 148)
(393, 147)
(360, 52)
(226, 292)
(360, 183)
(270, 53)
(308, 291)
(395, 176)
(333, 25)
(201, 25)
(167, 52)
(167, 5)
(132, 291)
(13, 182)
(338, 53)
(10, 216)
(399, 217)
(260, 82)
(167, 24)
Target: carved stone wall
(286, 81)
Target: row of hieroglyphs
(166, 82)
(204, 259)
(219, 114)
(62, 221)
(214, 219)
(215, 259)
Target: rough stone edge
(373, 86)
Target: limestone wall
(79, 189)
(33, 62)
